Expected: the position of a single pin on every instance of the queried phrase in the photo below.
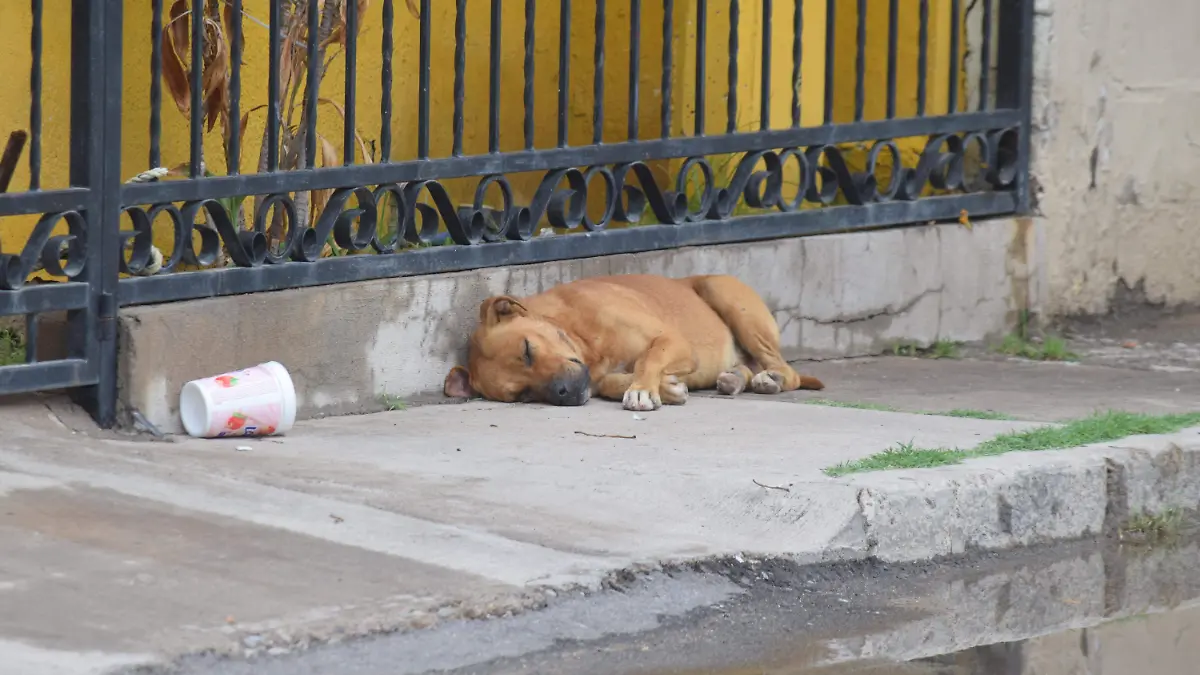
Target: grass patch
(942, 349)
(1153, 528)
(392, 403)
(1097, 428)
(1022, 345)
(1049, 349)
(900, 456)
(850, 404)
(973, 414)
(957, 412)
(12, 348)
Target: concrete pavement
(120, 551)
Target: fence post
(1014, 83)
(96, 164)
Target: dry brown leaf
(338, 34)
(412, 8)
(362, 145)
(179, 25)
(214, 66)
(175, 43)
(215, 80)
(329, 154)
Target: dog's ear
(458, 383)
(500, 308)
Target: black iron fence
(907, 143)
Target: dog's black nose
(570, 388)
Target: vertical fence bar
(985, 55)
(955, 24)
(156, 21)
(922, 57)
(312, 86)
(598, 76)
(460, 73)
(860, 61)
(233, 164)
(31, 338)
(1014, 89)
(797, 58)
(530, 11)
(701, 64)
(731, 101)
(385, 99)
(423, 83)
(349, 130)
(494, 78)
(564, 70)
(195, 166)
(893, 47)
(108, 248)
(768, 8)
(668, 64)
(95, 162)
(830, 54)
(274, 50)
(35, 101)
(635, 58)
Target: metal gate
(682, 167)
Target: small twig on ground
(584, 433)
(770, 487)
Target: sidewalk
(122, 551)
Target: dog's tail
(810, 382)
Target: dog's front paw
(641, 399)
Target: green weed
(12, 347)
(1097, 428)
(1153, 528)
(392, 402)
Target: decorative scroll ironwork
(60, 255)
(351, 216)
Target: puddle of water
(1100, 612)
(1155, 644)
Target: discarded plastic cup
(256, 401)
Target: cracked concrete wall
(347, 345)
(1116, 151)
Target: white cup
(257, 401)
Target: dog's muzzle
(570, 388)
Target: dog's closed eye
(528, 354)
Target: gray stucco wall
(1116, 152)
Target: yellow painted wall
(136, 80)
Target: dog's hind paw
(767, 382)
(731, 383)
(642, 400)
(673, 391)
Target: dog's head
(516, 355)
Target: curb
(1025, 499)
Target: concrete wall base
(349, 346)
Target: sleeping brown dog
(641, 339)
